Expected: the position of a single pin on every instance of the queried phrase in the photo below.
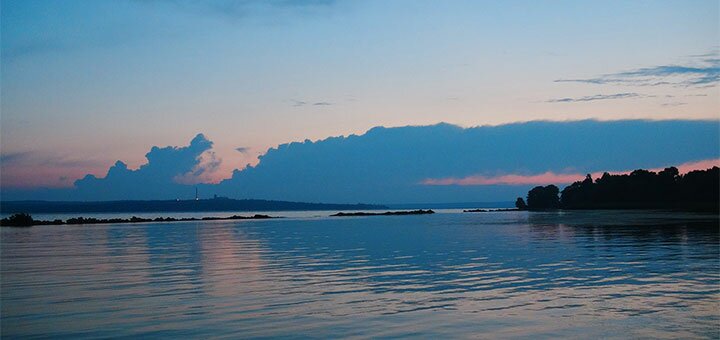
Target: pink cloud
(699, 165)
(548, 177)
(551, 177)
(206, 171)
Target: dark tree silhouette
(642, 189)
(520, 204)
(17, 220)
(543, 198)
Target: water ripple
(618, 274)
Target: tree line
(641, 189)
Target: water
(486, 275)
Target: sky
(85, 84)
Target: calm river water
(451, 274)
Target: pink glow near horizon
(551, 177)
(699, 165)
(41, 177)
(547, 177)
(224, 172)
(18, 178)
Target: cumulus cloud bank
(165, 175)
(395, 165)
(389, 164)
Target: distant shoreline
(25, 220)
(217, 204)
(387, 213)
(490, 210)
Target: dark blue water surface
(452, 274)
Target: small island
(25, 220)
(387, 213)
(491, 210)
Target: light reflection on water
(509, 274)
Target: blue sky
(87, 83)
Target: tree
(543, 198)
(17, 220)
(643, 189)
(520, 204)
